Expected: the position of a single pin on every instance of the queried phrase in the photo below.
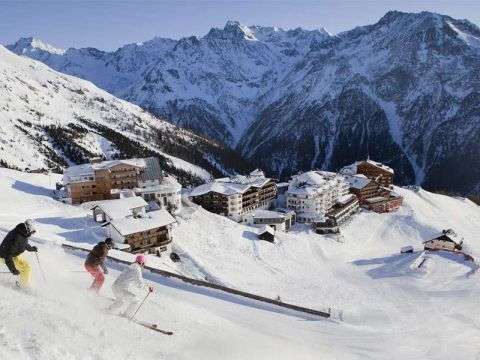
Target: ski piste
(142, 323)
(152, 327)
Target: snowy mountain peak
(397, 30)
(29, 44)
(425, 20)
(395, 15)
(232, 30)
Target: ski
(152, 327)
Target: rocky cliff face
(207, 84)
(403, 91)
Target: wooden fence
(226, 289)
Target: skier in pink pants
(95, 263)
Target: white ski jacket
(130, 279)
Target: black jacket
(15, 243)
(97, 256)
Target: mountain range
(404, 91)
(51, 120)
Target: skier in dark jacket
(11, 248)
(95, 263)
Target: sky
(110, 24)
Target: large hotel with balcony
(109, 179)
(312, 194)
(236, 196)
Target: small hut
(447, 240)
(266, 233)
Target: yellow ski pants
(23, 266)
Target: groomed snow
(391, 308)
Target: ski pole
(144, 299)
(40, 267)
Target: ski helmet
(30, 225)
(141, 259)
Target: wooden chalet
(371, 195)
(447, 240)
(381, 173)
(147, 233)
(362, 187)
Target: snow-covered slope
(404, 91)
(50, 120)
(391, 309)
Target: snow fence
(202, 283)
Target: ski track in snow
(391, 309)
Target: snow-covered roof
(237, 184)
(349, 169)
(121, 208)
(395, 194)
(448, 235)
(167, 185)
(358, 181)
(327, 174)
(266, 229)
(267, 214)
(256, 180)
(76, 171)
(311, 182)
(257, 172)
(123, 193)
(310, 177)
(345, 199)
(148, 221)
(111, 163)
(352, 169)
(380, 165)
(219, 187)
(376, 199)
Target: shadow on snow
(31, 189)
(211, 293)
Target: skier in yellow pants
(11, 248)
(24, 270)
